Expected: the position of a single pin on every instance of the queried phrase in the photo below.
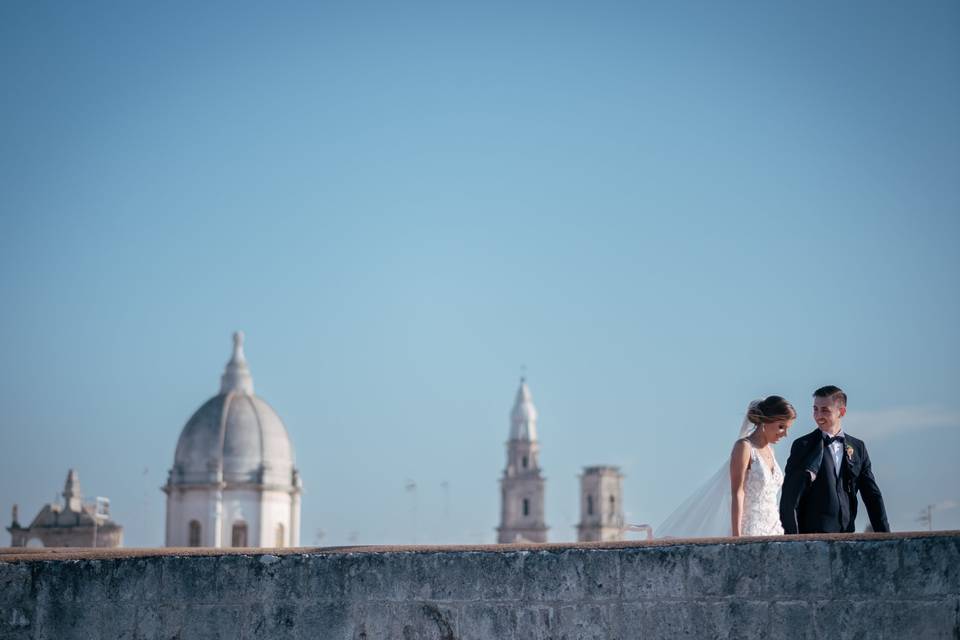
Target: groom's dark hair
(833, 393)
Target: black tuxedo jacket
(828, 503)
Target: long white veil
(706, 513)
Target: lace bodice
(761, 512)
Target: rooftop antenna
(411, 487)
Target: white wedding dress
(761, 497)
(706, 513)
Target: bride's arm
(739, 462)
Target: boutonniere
(849, 451)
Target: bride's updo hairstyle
(771, 409)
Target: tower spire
(522, 485)
(523, 416)
(236, 376)
(71, 491)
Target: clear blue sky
(662, 210)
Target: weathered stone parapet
(853, 586)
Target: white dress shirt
(836, 449)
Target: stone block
(434, 621)
(500, 575)
(324, 578)
(372, 620)
(653, 572)
(292, 581)
(717, 618)
(15, 618)
(147, 625)
(932, 619)
(372, 576)
(95, 580)
(550, 576)
(536, 623)
(570, 575)
(480, 621)
(114, 620)
(186, 579)
(792, 619)
(57, 620)
(213, 621)
(729, 569)
(15, 581)
(798, 570)
(928, 566)
(584, 622)
(277, 621)
(864, 568)
(733, 617)
(601, 573)
(231, 578)
(325, 621)
(427, 621)
(133, 579)
(84, 581)
(644, 619)
(878, 618)
(443, 577)
(170, 620)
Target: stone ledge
(903, 585)
(21, 554)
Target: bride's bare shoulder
(741, 449)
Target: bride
(741, 498)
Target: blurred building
(601, 504)
(233, 481)
(522, 486)
(71, 524)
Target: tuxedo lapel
(814, 455)
(846, 464)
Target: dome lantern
(236, 376)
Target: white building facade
(522, 485)
(233, 481)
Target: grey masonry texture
(842, 586)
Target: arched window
(526, 507)
(279, 535)
(239, 537)
(589, 505)
(195, 531)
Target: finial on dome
(236, 376)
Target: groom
(825, 470)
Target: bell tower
(601, 504)
(522, 486)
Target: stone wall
(846, 586)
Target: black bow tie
(828, 440)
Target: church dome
(235, 436)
